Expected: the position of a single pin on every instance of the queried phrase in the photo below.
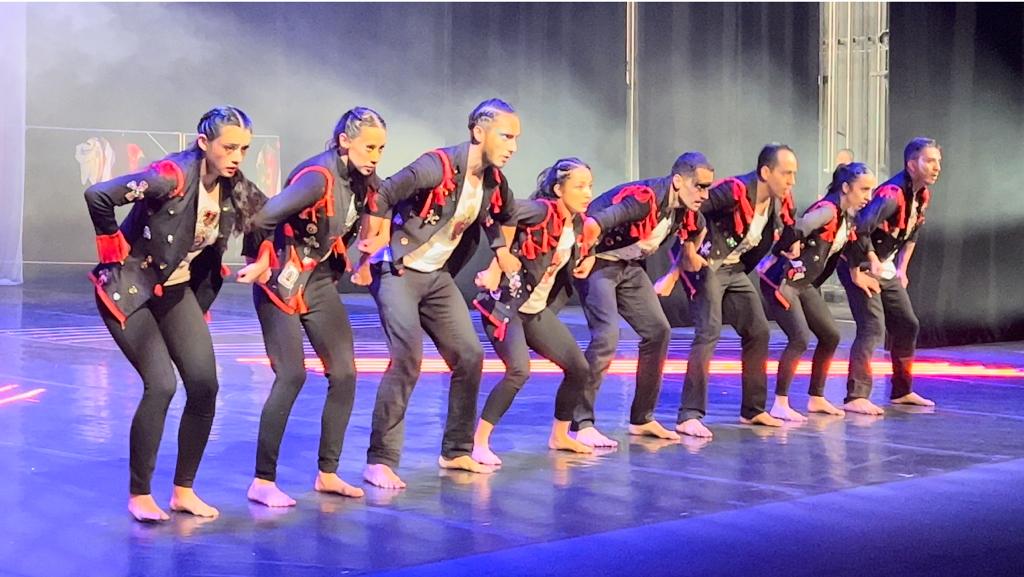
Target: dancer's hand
(508, 262)
(903, 276)
(372, 245)
(582, 269)
(664, 285)
(257, 271)
(866, 282)
(488, 279)
(362, 275)
(690, 261)
(591, 232)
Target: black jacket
(729, 211)
(422, 197)
(882, 225)
(816, 229)
(629, 212)
(307, 223)
(538, 230)
(140, 255)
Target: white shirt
(889, 264)
(539, 297)
(435, 252)
(841, 237)
(643, 248)
(351, 216)
(206, 232)
(752, 239)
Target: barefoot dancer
(800, 262)
(158, 274)
(745, 216)
(628, 224)
(312, 221)
(545, 240)
(438, 205)
(887, 232)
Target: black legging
(168, 330)
(546, 334)
(330, 333)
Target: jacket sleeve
(424, 172)
(721, 199)
(804, 226)
(627, 210)
(160, 181)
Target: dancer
(159, 273)
(312, 220)
(790, 278)
(887, 230)
(519, 312)
(438, 205)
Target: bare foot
(763, 419)
(653, 429)
(484, 454)
(694, 428)
(185, 500)
(591, 437)
(267, 493)
(464, 463)
(913, 399)
(145, 509)
(821, 405)
(382, 476)
(332, 483)
(864, 407)
(560, 440)
(782, 410)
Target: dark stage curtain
(726, 79)
(957, 75)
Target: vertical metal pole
(632, 136)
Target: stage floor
(914, 493)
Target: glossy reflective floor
(913, 493)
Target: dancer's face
(500, 139)
(577, 190)
(927, 166)
(224, 154)
(782, 176)
(692, 191)
(858, 192)
(364, 151)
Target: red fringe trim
(744, 213)
(550, 230)
(158, 290)
(267, 249)
(105, 299)
(440, 193)
(641, 229)
(689, 225)
(496, 202)
(326, 201)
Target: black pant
(623, 288)
(544, 333)
(327, 326)
(889, 311)
(410, 304)
(168, 331)
(726, 291)
(808, 313)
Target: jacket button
(163, 265)
(170, 211)
(117, 296)
(132, 290)
(170, 238)
(404, 241)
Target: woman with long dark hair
(312, 220)
(519, 312)
(791, 276)
(159, 272)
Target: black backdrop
(957, 75)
